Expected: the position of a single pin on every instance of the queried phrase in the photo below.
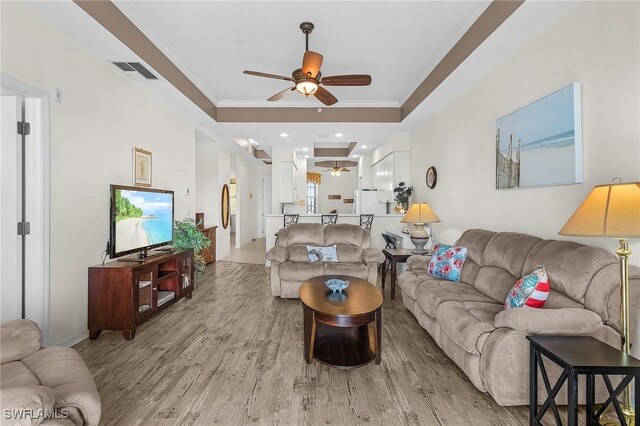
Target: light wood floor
(233, 356)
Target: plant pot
(401, 208)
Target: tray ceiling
(398, 43)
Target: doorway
(24, 203)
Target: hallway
(253, 252)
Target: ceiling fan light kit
(308, 79)
(307, 87)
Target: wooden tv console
(123, 295)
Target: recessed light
(354, 156)
(364, 147)
(305, 149)
(306, 156)
(284, 135)
(339, 135)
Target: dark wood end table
(395, 256)
(339, 327)
(579, 355)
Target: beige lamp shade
(609, 211)
(420, 213)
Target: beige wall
(248, 197)
(104, 115)
(597, 44)
(212, 172)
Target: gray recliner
(47, 386)
(290, 264)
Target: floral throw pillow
(322, 254)
(446, 262)
(531, 290)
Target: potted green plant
(186, 235)
(403, 195)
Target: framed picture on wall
(141, 167)
(541, 144)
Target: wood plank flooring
(233, 356)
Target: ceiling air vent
(134, 68)
(124, 66)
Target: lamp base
(419, 237)
(611, 417)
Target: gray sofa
(49, 382)
(467, 319)
(290, 264)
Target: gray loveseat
(41, 382)
(290, 264)
(467, 319)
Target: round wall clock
(432, 177)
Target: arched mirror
(224, 206)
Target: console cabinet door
(144, 292)
(186, 274)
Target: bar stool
(366, 220)
(289, 219)
(329, 219)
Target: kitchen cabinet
(388, 172)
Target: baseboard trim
(73, 340)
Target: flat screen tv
(140, 219)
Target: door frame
(43, 186)
(263, 219)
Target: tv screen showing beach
(143, 218)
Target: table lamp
(612, 211)
(419, 214)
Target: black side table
(579, 355)
(394, 256)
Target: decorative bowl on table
(336, 284)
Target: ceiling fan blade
(347, 80)
(311, 63)
(264, 74)
(325, 96)
(281, 94)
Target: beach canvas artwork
(143, 219)
(541, 144)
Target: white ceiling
(338, 32)
(397, 42)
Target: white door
(266, 201)
(23, 274)
(10, 209)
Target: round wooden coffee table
(343, 330)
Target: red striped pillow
(531, 290)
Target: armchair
(51, 384)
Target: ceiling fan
(336, 170)
(308, 80)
